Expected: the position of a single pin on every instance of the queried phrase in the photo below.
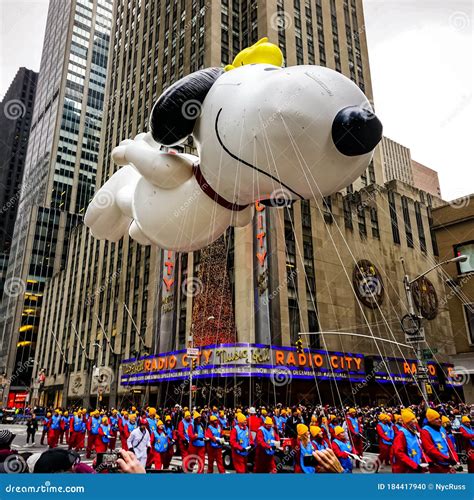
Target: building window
(406, 218)
(466, 249)
(393, 217)
(362, 223)
(375, 223)
(419, 224)
(469, 312)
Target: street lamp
(411, 311)
(193, 355)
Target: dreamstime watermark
(191, 110)
(281, 376)
(192, 287)
(459, 20)
(281, 20)
(47, 487)
(454, 290)
(460, 375)
(370, 465)
(14, 109)
(104, 198)
(184, 206)
(461, 202)
(190, 462)
(90, 298)
(15, 464)
(290, 276)
(14, 287)
(360, 385)
(11, 202)
(281, 197)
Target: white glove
(248, 448)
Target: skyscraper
(60, 170)
(16, 110)
(290, 271)
(396, 162)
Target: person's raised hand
(327, 460)
(129, 463)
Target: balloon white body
(263, 132)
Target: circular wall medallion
(425, 297)
(368, 284)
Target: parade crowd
(416, 439)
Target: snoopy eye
(271, 69)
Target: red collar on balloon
(207, 188)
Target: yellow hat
(432, 415)
(132, 417)
(241, 418)
(238, 410)
(134, 409)
(48, 414)
(185, 408)
(114, 412)
(75, 413)
(383, 417)
(221, 413)
(314, 418)
(196, 414)
(301, 429)
(168, 417)
(407, 416)
(105, 420)
(332, 417)
(213, 418)
(351, 410)
(160, 423)
(283, 412)
(465, 420)
(445, 420)
(187, 414)
(261, 52)
(338, 430)
(152, 412)
(397, 417)
(214, 408)
(315, 430)
(125, 413)
(66, 413)
(264, 412)
(268, 421)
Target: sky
(421, 58)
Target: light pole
(407, 283)
(193, 354)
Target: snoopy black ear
(174, 114)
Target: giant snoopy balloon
(263, 132)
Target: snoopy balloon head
(262, 132)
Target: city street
(20, 444)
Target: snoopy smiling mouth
(226, 149)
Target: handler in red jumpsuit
(183, 436)
(354, 428)
(54, 429)
(436, 445)
(266, 441)
(197, 444)
(407, 452)
(467, 433)
(214, 445)
(103, 437)
(241, 442)
(386, 435)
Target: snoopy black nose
(356, 131)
